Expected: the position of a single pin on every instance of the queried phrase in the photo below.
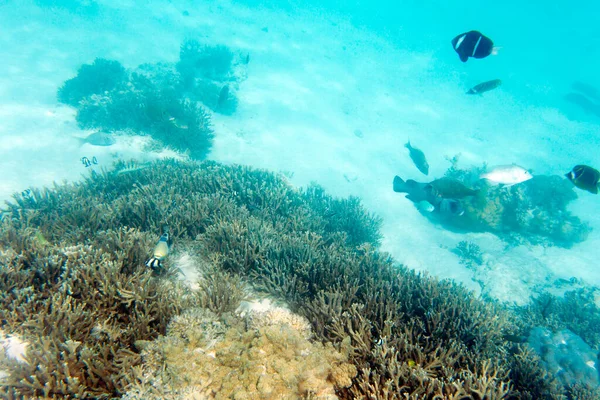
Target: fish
(584, 177)
(98, 139)
(473, 44)
(450, 208)
(506, 175)
(223, 96)
(161, 251)
(485, 87)
(427, 199)
(450, 188)
(418, 158)
(416, 191)
(425, 206)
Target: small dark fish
(585, 178)
(418, 158)
(223, 96)
(472, 44)
(87, 162)
(98, 139)
(247, 59)
(485, 87)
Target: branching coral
(82, 308)
(64, 259)
(161, 100)
(92, 79)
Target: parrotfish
(418, 158)
(485, 87)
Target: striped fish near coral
(585, 178)
(161, 251)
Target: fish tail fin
(407, 145)
(399, 185)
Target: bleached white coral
(264, 313)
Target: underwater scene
(299, 199)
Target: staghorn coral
(212, 62)
(92, 79)
(165, 101)
(81, 308)
(402, 331)
(145, 107)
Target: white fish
(507, 175)
(425, 206)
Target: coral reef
(92, 79)
(74, 284)
(534, 211)
(204, 356)
(469, 253)
(166, 101)
(576, 311)
(81, 308)
(567, 355)
(207, 75)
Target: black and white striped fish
(473, 44)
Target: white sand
(313, 79)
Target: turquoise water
(317, 74)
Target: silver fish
(507, 175)
(98, 139)
(425, 206)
